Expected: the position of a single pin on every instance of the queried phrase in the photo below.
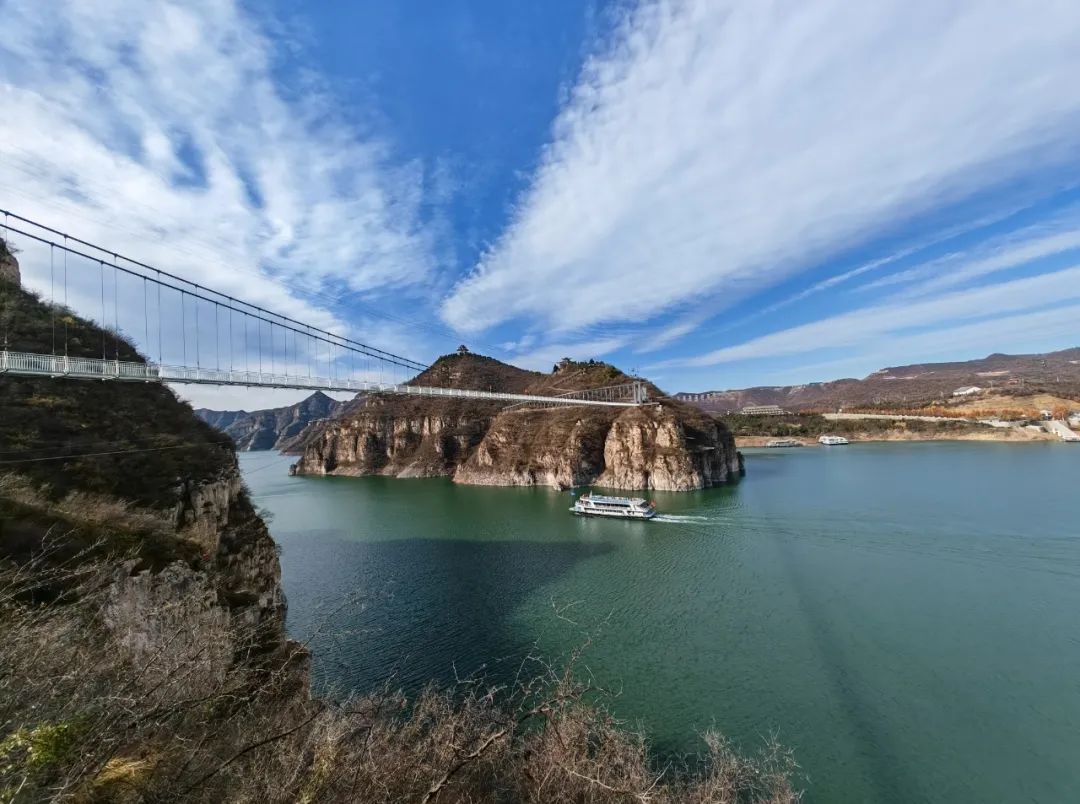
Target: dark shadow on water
(415, 610)
(884, 766)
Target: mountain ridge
(279, 429)
(911, 386)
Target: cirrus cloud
(719, 147)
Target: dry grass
(86, 718)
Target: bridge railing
(38, 365)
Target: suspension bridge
(202, 336)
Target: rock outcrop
(279, 429)
(193, 563)
(9, 266)
(664, 446)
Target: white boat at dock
(833, 441)
(618, 507)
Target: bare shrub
(87, 716)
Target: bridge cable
(52, 295)
(217, 338)
(161, 355)
(198, 340)
(66, 314)
(116, 310)
(232, 341)
(183, 317)
(146, 315)
(116, 452)
(104, 326)
(381, 354)
(377, 354)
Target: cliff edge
(667, 445)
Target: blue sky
(716, 194)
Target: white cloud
(956, 269)
(896, 321)
(164, 130)
(720, 146)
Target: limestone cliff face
(239, 547)
(662, 447)
(666, 446)
(659, 448)
(394, 437)
(554, 447)
(215, 609)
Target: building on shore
(967, 390)
(762, 410)
(703, 396)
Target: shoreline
(1001, 435)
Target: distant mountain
(911, 386)
(278, 428)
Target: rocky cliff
(664, 446)
(150, 488)
(9, 266)
(279, 429)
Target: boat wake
(683, 518)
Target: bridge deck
(90, 368)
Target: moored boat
(833, 441)
(618, 507)
(777, 443)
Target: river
(906, 616)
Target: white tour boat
(620, 507)
(833, 441)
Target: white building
(763, 410)
(967, 390)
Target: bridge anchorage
(202, 336)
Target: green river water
(905, 616)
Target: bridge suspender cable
(374, 352)
(84, 367)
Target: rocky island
(667, 445)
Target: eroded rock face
(663, 447)
(654, 448)
(558, 448)
(202, 618)
(403, 443)
(220, 518)
(9, 267)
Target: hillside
(668, 445)
(277, 428)
(144, 655)
(1055, 373)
